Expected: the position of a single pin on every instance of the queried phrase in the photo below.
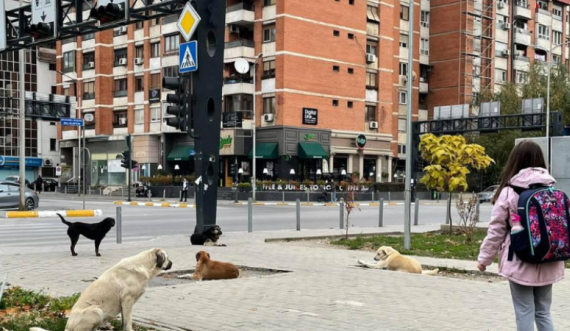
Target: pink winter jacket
(498, 238)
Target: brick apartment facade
(479, 45)
(344, 60)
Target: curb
(52, 213)
(314, 204)
(155, 204)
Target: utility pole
(22, 118)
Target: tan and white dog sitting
(390, 259)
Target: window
(119, 31)
(139, 52)
(120, 87)
(543, 32)
(139, 116)
(501, 19)
(69, 61)
(139, 25)
(351, 36)
(88, 36)
(171, 43)
(270, 2)
(555, 59)
(335, 103)
(53, 145)
(120, 54)
(404, 39)
(521, 77)
(351, 2)
(350, 71)
(269, 34)
(139, 85)
(52, 67)
(557, 13)
(336, 33)
(268, 69)
(372, 14)
(402, 124)
(424, 18)
(68, 40)
(349, 104)
(424, 46)
(239, 103)
(66, 91)
(155, 50)
(522, 3)
(155, 81)
(89, 60)
(404, 13)
(370, 114)
(403, 97)
(476, 70)
(372, 48)
(120, 119)
(403, 68)
(170, 72)
(89, 91)
(155, 114)
(170, 19)
(500, 75)
(542, 5)
(269, 105)
(520, 24)
(401, 149)
(336, 68)
(557, 37)
(371, 80)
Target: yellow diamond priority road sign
(188, 21)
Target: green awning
(311, 151)
(180, 153)
(265, 151)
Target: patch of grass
(22, 309)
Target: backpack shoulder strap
(518, 190)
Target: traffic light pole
(129, 169)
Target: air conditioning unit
(139, 61)
(268, 117)
(123, 121)
(500, 5)
(91, 65)
(370, 58)
(234, 28)
(506, 25)
(123, 62)
(403, 79)
(48, 162)
(374, 125)
(505, 52)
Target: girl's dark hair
(527, 154)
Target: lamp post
(143, 168)
(240, 173)
(176, 168)
(253, 125)
(292, 173)
(319, 173)
(343, 174)
(265, 173)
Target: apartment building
(482, 44)
(328, 73)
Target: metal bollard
(417, 211)
(283, 196)
(341, 218)
(119, 225)
(477, 210)
(381, 213)
(249, 215)
(235, 198)
(372, 196)
(66, 190)
(389, 197)
(122, 192)
(100, 191)
(298, 204)
(308, 196)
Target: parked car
(50, 185)
(16, 179)
(10, 196)
(487, 194)
(142, 190)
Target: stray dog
(391, 259)
(96, 232)
(207, 269)
(209, 237)
(116, 291)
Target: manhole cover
(172, 278)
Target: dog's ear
(208, 255)
(160, 258)
(198, 256)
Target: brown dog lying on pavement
(207, 269)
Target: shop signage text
(291, 187)
(310, 116)
(226, 142)
(232, 120)
(361, 141)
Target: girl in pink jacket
(531, 284)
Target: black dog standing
(96, 232)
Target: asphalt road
(146, 223)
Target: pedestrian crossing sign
(188, 59)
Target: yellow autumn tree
(450, 159)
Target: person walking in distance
(530, 283)
(39, 184)
(185, 187)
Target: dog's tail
(38, 329)
(66, 223)
(430, 272)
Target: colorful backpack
(545, 218)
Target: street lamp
(265, 173)
(254, 151)
(176, 168)
(240, 173)
(159, 167)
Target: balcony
(543, 42)
(522, 63)
(121, 124)
(423, 85)
(372, 29)
(237, 86)
(522, 37)
(239, 49)
(522, 9)
(543, 17)
(240, 14)
(371, 95)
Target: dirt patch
(183, 276)
(471, 275)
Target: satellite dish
(242, 66)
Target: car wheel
(30, 205)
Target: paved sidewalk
(324, 291)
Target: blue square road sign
(188, 57)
